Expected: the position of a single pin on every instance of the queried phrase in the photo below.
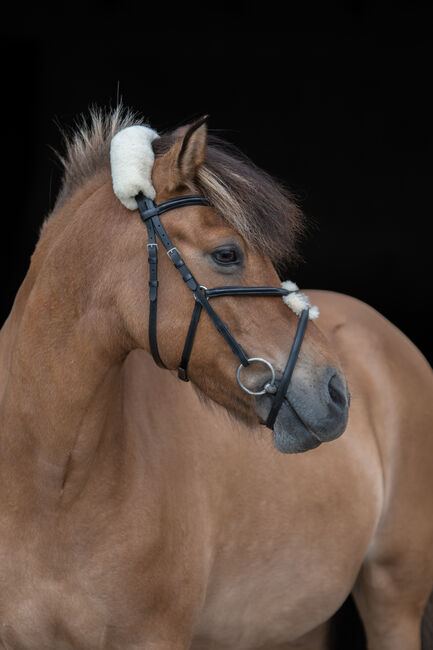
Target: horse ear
(186, 155)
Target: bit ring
(269, 386)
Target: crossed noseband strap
(150, 214)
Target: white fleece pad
(132, 158)
(298, 301)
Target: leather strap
(187, 349)
(288, 370)
(222, 328)
(246, 291)
(152, 258)
(149, 213)
(171, 204)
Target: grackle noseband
(150, 213)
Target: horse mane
(258, 207)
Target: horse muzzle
(315, 409)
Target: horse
(140, 512)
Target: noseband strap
(150, 214)
(288, 370)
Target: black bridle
(150, 214)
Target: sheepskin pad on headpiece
(298, 301)
(132, 158)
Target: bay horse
(140, 512)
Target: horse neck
(60, 382)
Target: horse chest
(274, 582)
(278, 600)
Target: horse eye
(226, 256)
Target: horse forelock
(260, 209)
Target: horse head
(219, 244)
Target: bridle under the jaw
(149, 213)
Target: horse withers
(138, 511)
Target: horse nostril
(337, 391)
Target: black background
(333, 103)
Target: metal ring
(204, 289)
(268, 384)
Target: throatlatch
(150, 213)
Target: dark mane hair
(263, 212)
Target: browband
(171, 204)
